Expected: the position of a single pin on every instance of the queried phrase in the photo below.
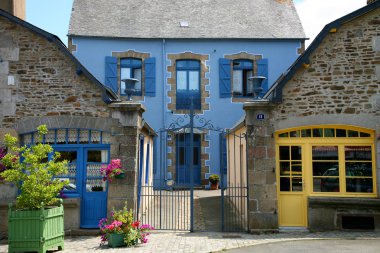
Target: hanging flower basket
(120, 176)
(112, 170)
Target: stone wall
(47, 89)
(340, 85)
(45, 79)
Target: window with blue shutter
(242, 71)
(224, 78)
(188, 84)
(150, 77)
(130, 68)
(111, 73)
(262, 70)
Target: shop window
(338, 160)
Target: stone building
(313, 154)
(41, 82)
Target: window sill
(360, 202)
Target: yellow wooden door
(291, 191)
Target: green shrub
(29, 169)
(214, 179)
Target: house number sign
(260, 116)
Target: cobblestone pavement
(204, 241)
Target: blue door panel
(93, 208)
(183, 175)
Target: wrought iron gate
(169, 203)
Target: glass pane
(181, 80)
(358, 153)
(364, 134)
(318, 132)
(70, 156)
(297, 184)
(284, 153)
(295, 133)
(137, 75)
(97, 156)
(181, 156)
(351, 133)
(284, 168)
(284, 184)
(193, 64)
(296, 169)
(325, 153)
(181, 64)
(283, 135)
(326, 184)
(296, 153)
(341, 133)
(359, 185)
(194, 80)
(124, 74)
(196, 156)
(238, 81)
(329, 132)
(326, 169)
(248, 82)
(306, 132)
(359, 169)
(94, 180)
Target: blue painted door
(94, 190)
(184, 159)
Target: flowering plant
(121, 222)
(111, 170)
(3, 152)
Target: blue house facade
(180, 50)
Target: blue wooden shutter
(262, 70)
(223, 153)
(150, 77)
(147, 163)
(111, 73)
(225, 77)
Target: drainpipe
(164, 108)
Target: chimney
(371, 1)
(14, 7)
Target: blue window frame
(188, 84)
(242, 70)
(131, 68)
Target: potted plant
(112, 170)
(37, 206)
(122, 230)
(214, 181)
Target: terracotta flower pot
(214, 186)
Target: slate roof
(274, 94)
(231, 19)
(107, 94)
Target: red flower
(136, 224)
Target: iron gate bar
(176, 202)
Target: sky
(54, 15)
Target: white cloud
(315, 14)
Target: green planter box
(35, 230)
(115, 240)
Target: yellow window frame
(308, 142)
